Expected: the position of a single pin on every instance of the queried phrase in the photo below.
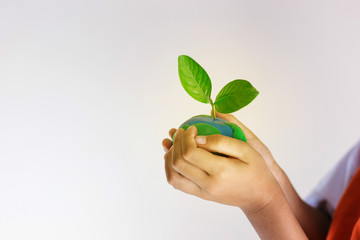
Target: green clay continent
(206, 125)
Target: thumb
(231, 118)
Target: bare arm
(314, 222)
(242, 179)
(276, 221)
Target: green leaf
(194, 79)
(235, 95)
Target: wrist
(293, 199)
(279, 174)
(276, 220)
(275, 202)
(268, 192)
(265, 201)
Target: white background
(88, 90)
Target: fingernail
(200, 139)
(192, 128)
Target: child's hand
(254, 142)
(242, 179)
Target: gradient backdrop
(88, 90)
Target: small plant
(234, 96)
(196, 82)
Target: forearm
(276, 221)
(314, 222)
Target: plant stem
(213, 109)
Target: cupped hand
(241, 179)
(252, 140)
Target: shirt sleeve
(328, 192)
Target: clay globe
(206, 125)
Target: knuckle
(188, 153)
(177, 135)
(177, 163)
(213, 140)
(216, 184)
(175, 183)
(170, 179)
(219, 140)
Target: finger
(172, 132)
(182, 166)
(252, 139)
(200, 158)
(178, 181)
(231, 118)
(226, 145)
(166, 143)
(188, 142)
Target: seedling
(231, 98)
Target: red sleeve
(345, 223)
(356, 231)
(329, 190)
